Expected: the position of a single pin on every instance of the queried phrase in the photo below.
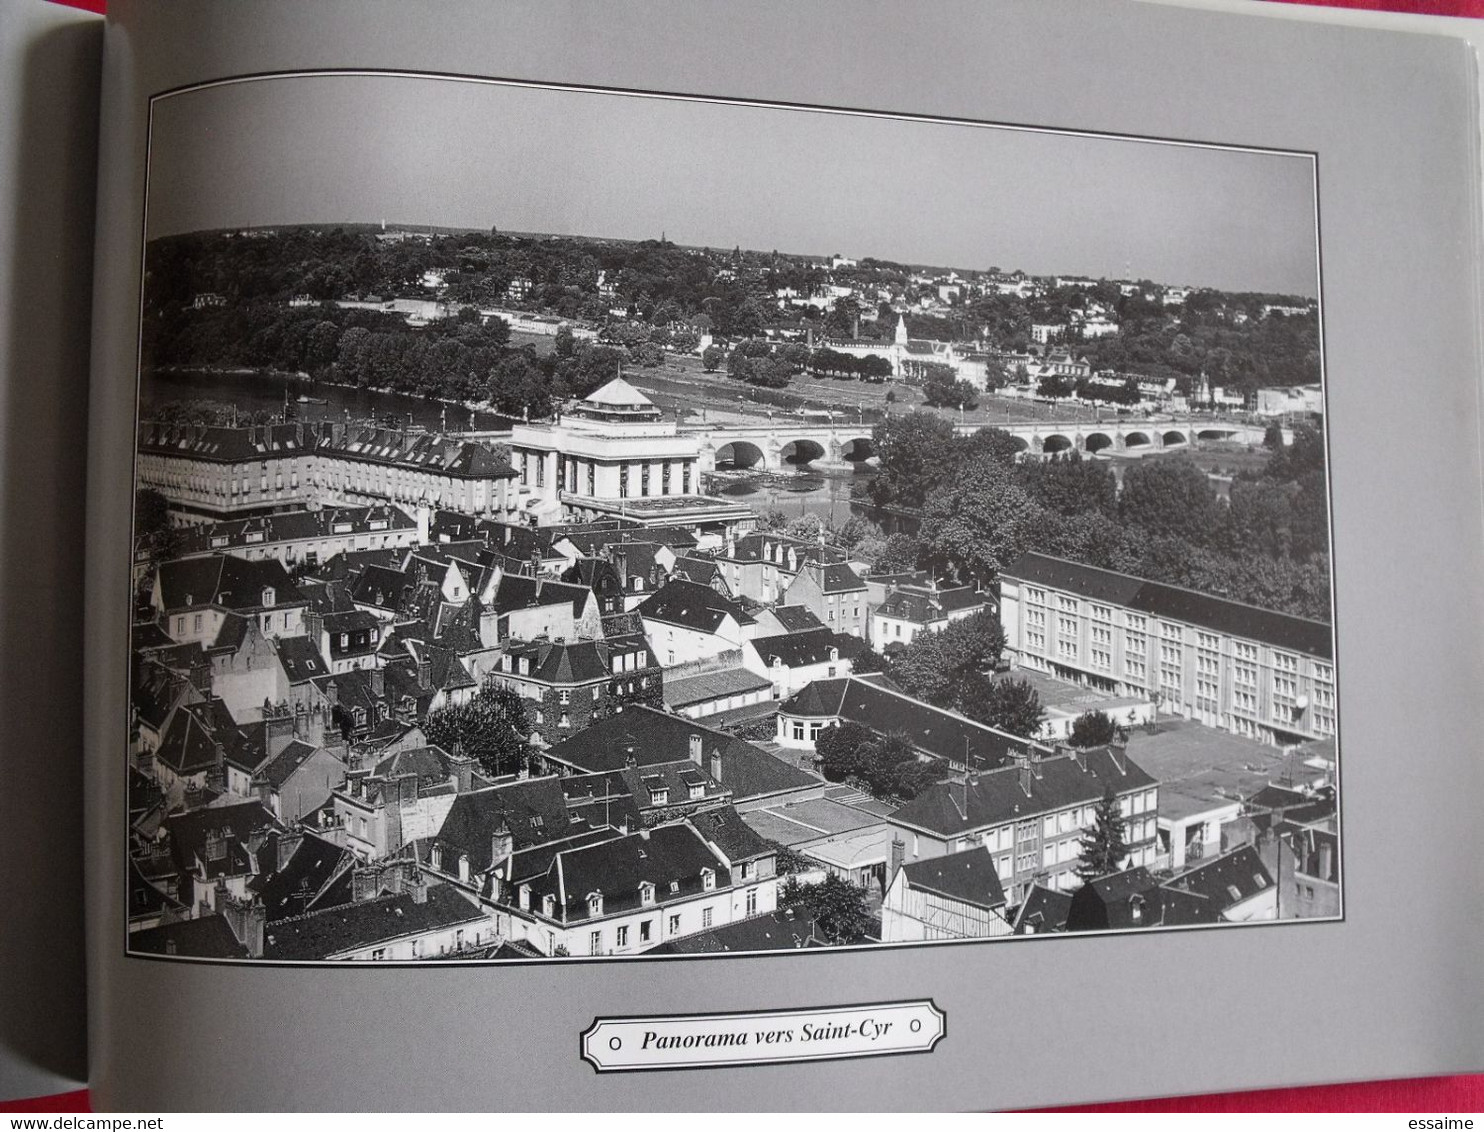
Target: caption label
(694, 1041)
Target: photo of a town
(599, 526)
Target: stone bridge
(781, 444)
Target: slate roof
(838, 577)
(796, 618)
(189, 743)
(661, 856)
(381, 587)
(1226, 880)
(520, 591)
(1109, 902)
(534, 812)
(652, 737)
(209, 937)
(968, 877)
(923, 606)
(933, 730)
(1281, 630)
(226, 581)
(692, 606)
(574, 662)
(1043, 910)
(812, 646)
(775, 931)
(145, 899)
(282, 766)
(300, 659)
(725, 829)
(308, 879)
(235, 824)
(292, 526)
(356, 926)
(995, 797)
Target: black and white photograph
(582, 524)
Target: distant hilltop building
(910, 357)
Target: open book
(882, 561)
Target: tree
(1103, 846)
(788, 861)
(842, 749)
(1092, 729)
(911, 449)
(1170, 497)
(980, 521)
(492, 727)
(939, 667)
(1010, 705)
(837, 908)
(711, 358)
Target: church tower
(901, 336)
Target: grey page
(49, 65)
(1393, 990)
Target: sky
(419, 150)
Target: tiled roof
(290, 526)
(356, 926)
(922, 606)
(725, 829)
(1312, 638)
(1110, 902)
(707, 686)
(1226, 880)
(232, 826)
(996, 797)
(283, 766)
(968, 878)
(796, 618)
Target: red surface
(1432, 1094)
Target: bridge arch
(1217, 434)
(801, 451)
(1097, 441)
(1056, 442)
(1136, 440)
(1173, 437)
(739, 454)
(857, 450)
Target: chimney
(417, 885)
(464, 868)
(424, 673)
(288, 844)
(1326, 861)
(378, 683)
(435, 857)
(407, 787)
(364, 884)
(463, 769)
(502, 844)
(898, 856)
(332, 693)
(278, 733)
(314, 624)
(695, 749)
(715, 769)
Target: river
(252, 392)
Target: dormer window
(674, 887)
(269, 597)
(548, 905)
(524, 897)
(1136, 909)
(659, 795)
(697, 791)
(595, 904)
(708, 879)
(646, 893)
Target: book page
(628, 572)
(49, 64)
